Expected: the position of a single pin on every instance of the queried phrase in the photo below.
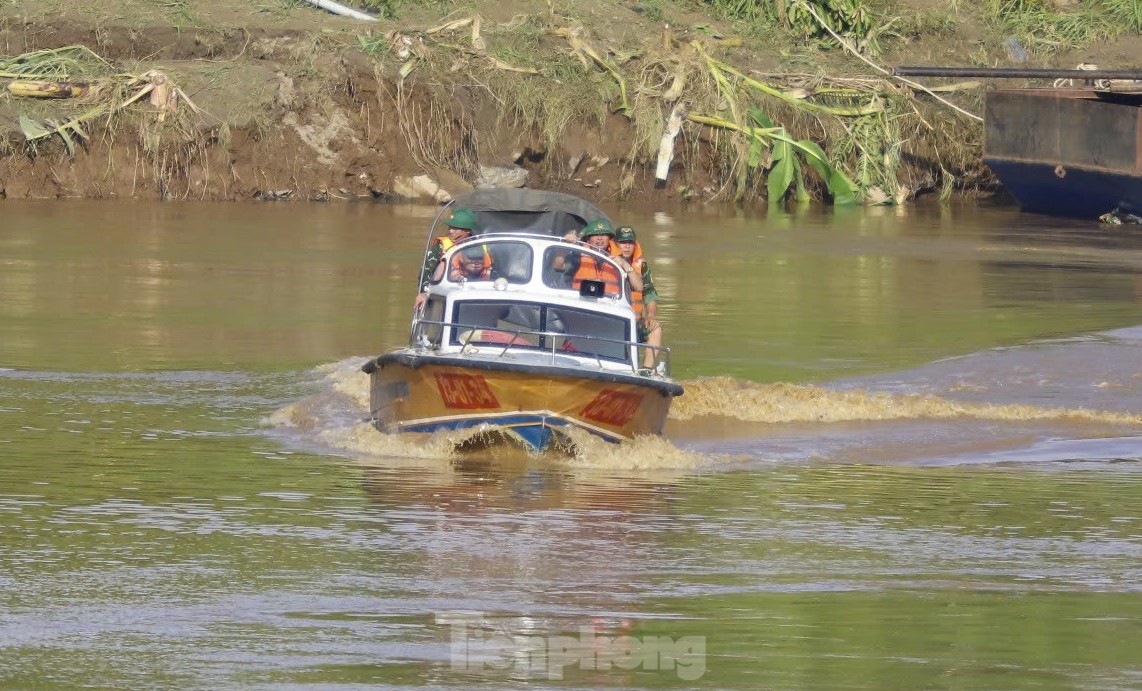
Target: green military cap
(625, 234)
(598, 227)
(462, 218)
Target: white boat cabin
(531, 298)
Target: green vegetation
(769, 103)
(813, 20)
(33, 73)
(549, 76)
(386, 9)
(1041, 26)
(1126, 12)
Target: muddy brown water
(909, 455)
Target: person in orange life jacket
(461, 224)
(472, 263)
(645, 301)
(598, 235)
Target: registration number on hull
(612, 407)
(465, 391)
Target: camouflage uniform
(462, 218)
(649, 293)
(431, 259)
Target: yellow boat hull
(529, 403)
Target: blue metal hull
(533, 431)
(1066, 152)
(1078, 193)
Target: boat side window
(559, 266)
(511, 260)
(479, 261)
(433, 312)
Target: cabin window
(522, 324)
(433, 312)
(511, 260)
(576, 323)
(487, 261)
(560, 265)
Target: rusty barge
(1074, 149)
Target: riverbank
(216, 99)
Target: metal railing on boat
(661, 354)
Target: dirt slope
(282, 100)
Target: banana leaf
(844, 191)
(781, 172)
(800, 194)
(33, 129)
(61, 130)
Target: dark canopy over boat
(526, 210)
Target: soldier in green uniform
(461, 223)
(645, 301)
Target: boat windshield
(477, 261)
(544, 327)
(565, 267)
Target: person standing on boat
(644, 300)
(598, 235)
(461, 223)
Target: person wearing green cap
(461, 223)
(644, 300)
(599, 235)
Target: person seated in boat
(580, 266)
(644, 300)
(470, 264)
(461, 224)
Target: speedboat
(522, 351)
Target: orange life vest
(592, 269)
(458, 262)
(636, 301)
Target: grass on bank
(1043, 27)
(548, 74)
(61, 93)
(765, 131)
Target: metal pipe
(1014, 73)
(338, 8)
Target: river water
(909, 455)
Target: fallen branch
(883, 71)
(720, 69)
(585, 50)
(449, 26)
(666, 144)
(46, 89)
(501, 65)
